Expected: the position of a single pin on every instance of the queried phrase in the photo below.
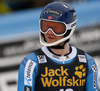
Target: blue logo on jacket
(28, 80)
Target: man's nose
(50, 31)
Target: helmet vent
(65, 5)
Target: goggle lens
(58, 28)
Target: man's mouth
(51, 38)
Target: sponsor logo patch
(80, 71)
(63, 77)
(82, 58)
(94, 75)
(27, 88)
(57, 57)
(42, 59)
(53, 11)
(30, 65)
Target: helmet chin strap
(60, 47)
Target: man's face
(51, 30)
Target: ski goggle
(58, 28)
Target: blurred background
(19, 31)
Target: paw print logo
(80, 71)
